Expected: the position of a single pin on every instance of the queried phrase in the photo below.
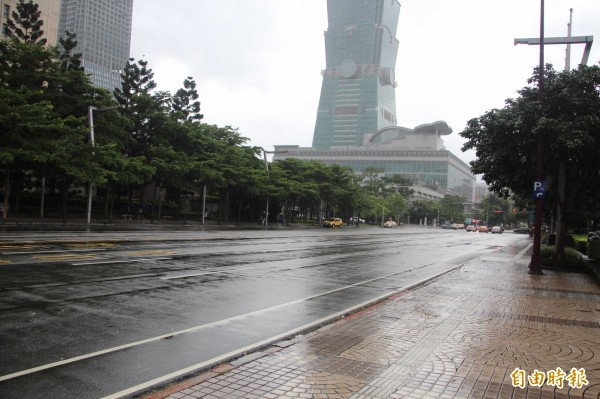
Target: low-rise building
(417, 154)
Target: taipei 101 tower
(358, 91)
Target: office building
(49, 13)
(417, 154)
(103, 29)
(358, 89)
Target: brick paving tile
(459, 336)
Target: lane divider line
(188, 330)
(253, 347)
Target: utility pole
(568, 55)
(535, 267)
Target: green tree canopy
(567, 123)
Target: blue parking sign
(539, 191)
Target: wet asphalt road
(111, 313)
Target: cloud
(257, 63)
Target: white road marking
(188, 330)
(53, 251)
(257, 345)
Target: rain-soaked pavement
(88, 314)
(488, 329)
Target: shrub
(573, 258)
(594, 250)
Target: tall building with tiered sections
(356, 120)
(358, 90)
(103, 29)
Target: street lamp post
(267, 169)
(91, 110)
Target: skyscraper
(103, 29)
(358, 90)
(356, 120)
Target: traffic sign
(539, 191)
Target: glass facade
(103, 29)
(358, 89)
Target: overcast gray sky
(257, 63)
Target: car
(333, 222)
(496, 230)
(356, 219)
(483, 229)
(522, 230)
(448, 226)
(390, 224)
(470, 228)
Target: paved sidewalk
(460, 336)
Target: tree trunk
(106, 203)
(112, 206)
(153, 203)
(42, 197)
(561, 227)
(6, 194)
(64, 200)
(226, 207)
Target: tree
(568, 125)
(185, 102)
(398, 204)
(495, 209)
(451, 208)
(33, 129)
(24, 124)
(26, 24)
(424, 211)
(69, 60)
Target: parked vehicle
(355, 219)
(521, 230)
(390, 224)
(333, 222)
(448, 226)
(496, 230)
(594, 235)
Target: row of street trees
(154, 143)
(568, 125)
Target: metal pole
(267, 208)
(568, 56)
(535, 267)
(203, 202)
(89, 202)
(267, 169)
(91, 110)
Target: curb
(225, 363)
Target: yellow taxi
(333, 222)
